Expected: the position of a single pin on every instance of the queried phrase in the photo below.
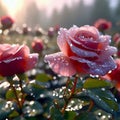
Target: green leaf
(55, 114)
(6, 107)
(19, 118)
(14, 114)
(1, 78)
(111, 103)
(32, 108)
(36, 90)
(104, 99)
(69, 115)
(4, 86)
(86, 116)
(43, 77)
(96, 83)
(10, 95)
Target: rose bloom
(37, 45)
(116, 37)
(51, 32)
(114, 75)
(6, 22)
(102, 24)
(16, 59)
(83, 50)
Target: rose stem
(90, 106)
(14, 90)
(72, 92)
(21, 77)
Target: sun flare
(12, 6)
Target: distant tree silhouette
(101, 9)
(32, 16)
(117, 11)
(82, 13)
(117, 17)
(79, 14)
(55, 18)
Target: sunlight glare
(12, 6)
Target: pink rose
(114, 75)
(83, 50)
(15, 59)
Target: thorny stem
(72, 93)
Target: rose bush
(83, 50)
(15, 59)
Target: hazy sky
(15, 5)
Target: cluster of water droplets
(75, 105)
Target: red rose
(103, 24)
(37, 45)
(82, 50)
(116, 37)
(15, 59)
(6, 22)
(114, 75)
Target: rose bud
(6, 22)
(37, 45)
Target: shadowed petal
(96, 67)
(60, 64)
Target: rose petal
(60, 64)
(90, 29)
(62, 42)
(97, 68)
(13, 51)
(82, 52)
(107, 52)
(31, 61)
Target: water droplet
(71, 45)
(82, 37)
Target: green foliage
(56, 114)
(32, 108)
(96, 83)
(86, 116)
(43, 77)
(6, 107)
(104, 99)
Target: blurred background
(46, 13)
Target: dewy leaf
(96, 83)
(86, 116)
(43, 77)
(32, 108)
(10, 95)
(104, 99)
(55, 114)
(70, 115)
(6, 107)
